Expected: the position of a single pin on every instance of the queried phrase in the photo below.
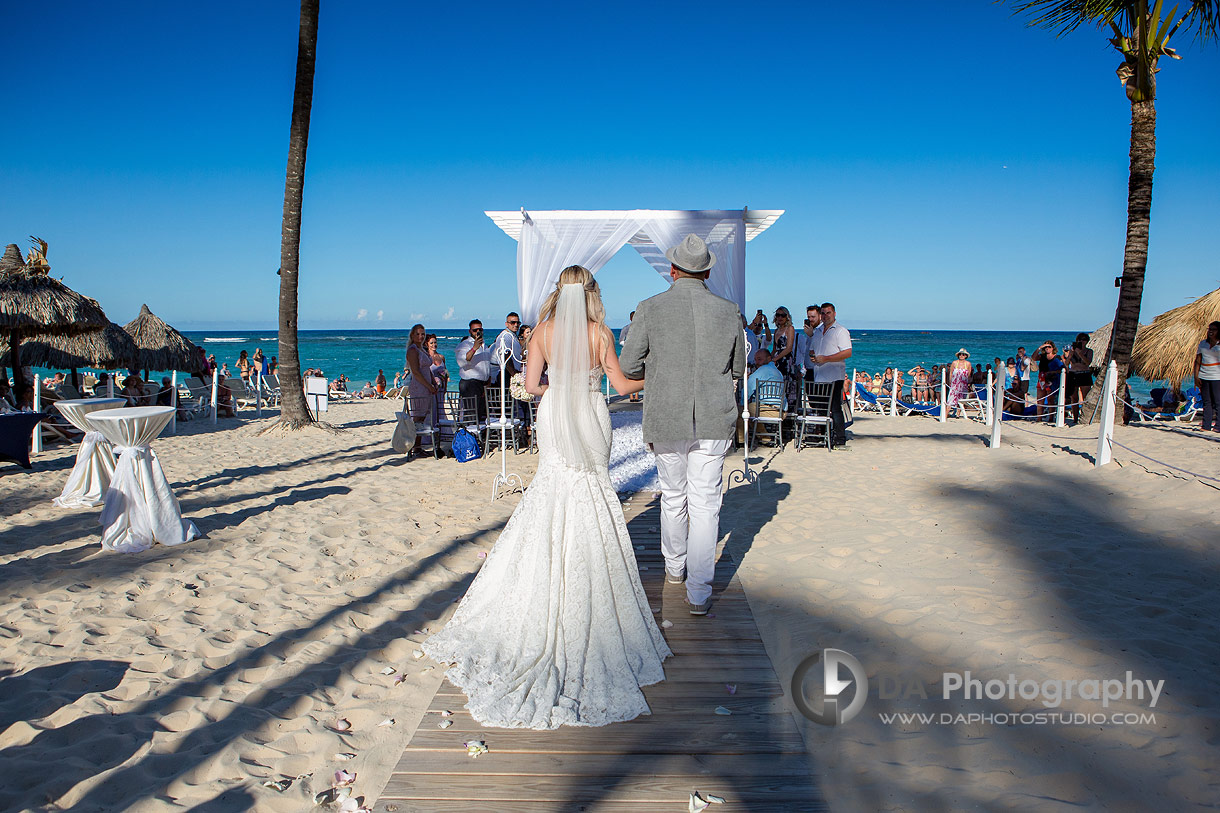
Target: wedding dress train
(556, 628)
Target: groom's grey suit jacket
(687, 344)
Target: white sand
(175, 677)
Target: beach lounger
(867, 401)
(1185, 414)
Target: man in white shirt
(830, 348)
(474, 366)
(507, 341)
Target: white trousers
(691, 474)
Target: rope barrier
(1166, 465)
(1041, 434)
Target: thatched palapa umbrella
(159, 346)
(1099, 343)
(34, 302)
(109, 348)
(1165, 350)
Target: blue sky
(951, 169)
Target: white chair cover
(90, 477)
(140, 507)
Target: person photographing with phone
(474, 366)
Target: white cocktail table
(90, 477)
(140, 508)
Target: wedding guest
(759, 326)
(831, 348)
(273, 368)
(507, 347)
(813, 318)
(421, 392)
(380, 384)
(474, 367)
(764, 371)
(440, 374)
(1079, 361)
(1207, 377)
(783, 354)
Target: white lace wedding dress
(556, 629)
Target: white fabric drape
(551, 241)
(90, 477)
(140, 507)
(724, 233)
(550, 244)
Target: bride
(556, 629)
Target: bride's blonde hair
(577, 274)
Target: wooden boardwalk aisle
(754, 758)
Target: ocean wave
(223, 340)
(269, 339)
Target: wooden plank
(673, 706)
(456, 763)
(696, 716)
(701, 687)
(622, 738)
(616, 787)
(464, 806)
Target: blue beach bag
(466, 446)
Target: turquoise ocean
(359, 354)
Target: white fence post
(1106, 432)
(36, 440)
(894, 394)
(996, 396)
(853, 390)
(258, 392)
(173, 401)
(944, 398)
(988, 403)
(214, 386)
(1060, 409)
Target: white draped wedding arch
(550, 241)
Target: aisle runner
(632, 466)
(754, 757)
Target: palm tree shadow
(116, 738)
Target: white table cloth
(140, 508)
(90, 477)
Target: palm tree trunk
(294, 413)
(1135, 255)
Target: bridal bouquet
(516, 388)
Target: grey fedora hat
(691, 255)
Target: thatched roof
(110, 348)
(1099, 342)
(1165, 350)
(159, 346)
(32, 301)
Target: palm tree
(1142, 36)
(294, 413)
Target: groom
(687, 344)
